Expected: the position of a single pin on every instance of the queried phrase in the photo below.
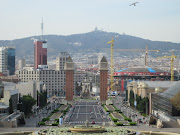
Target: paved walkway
(137, 128)
(109, 107)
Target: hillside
(91, 41)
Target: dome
(158, 90)
(144, 85)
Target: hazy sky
(150, 19)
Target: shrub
(106, 109)
(118, 124)
(117, 110)
(115, 120)
(57, 120)
(54, 124)
(114, 107)
(41, 123)
(123, 115)
(45, 119)
(144, 115)
(128, 119)
(132, 123)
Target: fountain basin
(89, 129)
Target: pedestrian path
(84, 113)
(82, 122)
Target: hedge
(117, 110)
(128, 119)
(41, 123)
(123, 115)
(45, 119)
(114, 107)
(113, 119)
(106, 109)
(55, 124)
(57, 120)
(132, 123)
(118, 124)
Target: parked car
(93, 122)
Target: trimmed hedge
(55, 124)
(45, 119)
(57, 120)
(132, 123)
(144, 115)
(118, 124)
(114, 107)
(117, 110)
(123, 115)
(41, 123)
(113, 119)
(106, 109)
(128, 119)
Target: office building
(60, 60)
(54, 80)
(21, 63)
(7, 60)
(40, 53)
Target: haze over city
(89, 66)
(149, 19)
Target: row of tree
(142, 103)
(26, 102)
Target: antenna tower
(42, 27)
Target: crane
(112, 65)
(139, 50)
(172, 64)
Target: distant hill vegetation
(91, 41)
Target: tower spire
(42, 27)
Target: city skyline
(154, 20)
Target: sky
(157, 20)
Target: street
(87, 110)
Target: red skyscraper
(40, 53)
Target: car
(91, 117)
(93, 122)
(92, 112)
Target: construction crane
(139, 50)
(112, 65)
(172, 64)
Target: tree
(176, 101)
(27, 103)
(131, 98)
(42, 98)
(10, 106)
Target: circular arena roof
(141, 71)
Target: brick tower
(69, 69)
(103, 79)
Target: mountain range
(94, 41)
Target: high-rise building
(11, 60)
(21, 63)
(40, 53)
(60, 60)
(7, 60)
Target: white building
(3, 59)
(21, 63)
(7, 60)
(30, 88)
(10, 91)
(60, 60)
(54, 80)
